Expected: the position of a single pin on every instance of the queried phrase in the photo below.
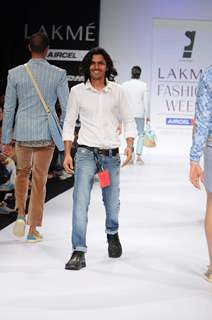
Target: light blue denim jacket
(203, 116)
(31, 122)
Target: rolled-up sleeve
(126, 116)
(72, 113)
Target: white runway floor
(159, 275)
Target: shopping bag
(149, 137)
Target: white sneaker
(19, 227)
(208, 275)
(3, 208)
(140, 162)
(35, 237)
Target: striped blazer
(31, 122)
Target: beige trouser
(36, 160)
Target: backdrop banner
(181, 51)
(72, 28)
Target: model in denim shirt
(202, 143)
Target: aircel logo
(187, 53)
(179, 121)
(66, 55)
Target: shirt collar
(89, 86)
(38, 60)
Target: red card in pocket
(104, 178)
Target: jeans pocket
(84, 151)
(84, 154)
(117, 159)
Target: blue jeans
(140, 130)
(85, 170)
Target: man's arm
(127, 118)
(146, 103)
(69, 129)
(63, 93)
(196, 174)
(128, 125)
(203, 111)
(9, 111)
(71, 117)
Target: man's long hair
(39, 42)
(84, 68)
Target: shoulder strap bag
(54, 126)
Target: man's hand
(3, 158)
(119, 129)
(68, 164)
(196, 174)
(7, 149)
(128, 153)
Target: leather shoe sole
(74, 267)
(114, 254)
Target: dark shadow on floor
(54, 187)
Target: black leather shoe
(77, 261)
(114, 246)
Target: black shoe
(10, 202)
(114, 246)
(77, 261)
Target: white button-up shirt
(100, 113)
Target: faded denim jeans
(85, 170)
(140, 130)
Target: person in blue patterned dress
(202, 145)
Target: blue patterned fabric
(31, 123)
(208, 167)
(203, 116)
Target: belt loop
(110, 152)
(97, 160)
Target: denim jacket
(203, 116)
